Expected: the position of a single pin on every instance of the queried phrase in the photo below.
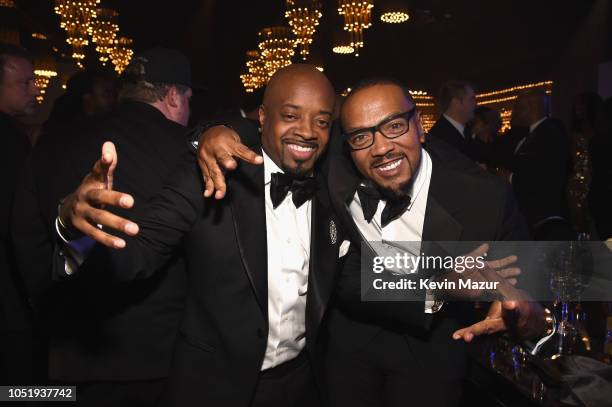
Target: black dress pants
(290, 384)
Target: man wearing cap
(114, 341)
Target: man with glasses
(385, 353)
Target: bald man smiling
(261, 262)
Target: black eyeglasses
(391, 128)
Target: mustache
(300, 141)
(386, 158)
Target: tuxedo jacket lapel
(325, 240)
(443, 201)
(441, 228)
(247, 200)
(344, 178)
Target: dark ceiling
(491, 43)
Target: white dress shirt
(288, 238)
(406, 228)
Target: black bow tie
(302, 189)
(369, 198)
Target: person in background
(114, 341)
(88, 93)
(457, 101)
(18, 341)
(539, 168)
(486, 124)
(485, 130)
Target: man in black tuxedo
(457, 102)
(261, 263)
(540, 168)
(386, 187)
(114, 340)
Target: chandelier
(45, 66)
(394, 12)
(104, 31)
(75, 18)
(276, 46)
(256, 75)
(303, 17)
(122, 53)
(342, 43)
(357, 17)
(7, 3)
(42, 77)
(394, 17)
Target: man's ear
(419, 127)
(172, 96)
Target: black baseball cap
(159, 65)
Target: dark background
(491, 43)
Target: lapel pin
(333, 232)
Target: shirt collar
(270, 167)
(460, 127)
(536, 124)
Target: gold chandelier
(104, 31)
(75, 18)
(342, 43)
(42, 77)
(357, 17)
(303, 17)
(45, 66)
(394, 12)
(256, 75)
(122, 53)
(276, 46)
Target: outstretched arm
(159, 225)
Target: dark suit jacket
(540, 172)
(224, 331)
(14, 310)
(101, 330)
(474, 149)
(454, 212)
(445, 131)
